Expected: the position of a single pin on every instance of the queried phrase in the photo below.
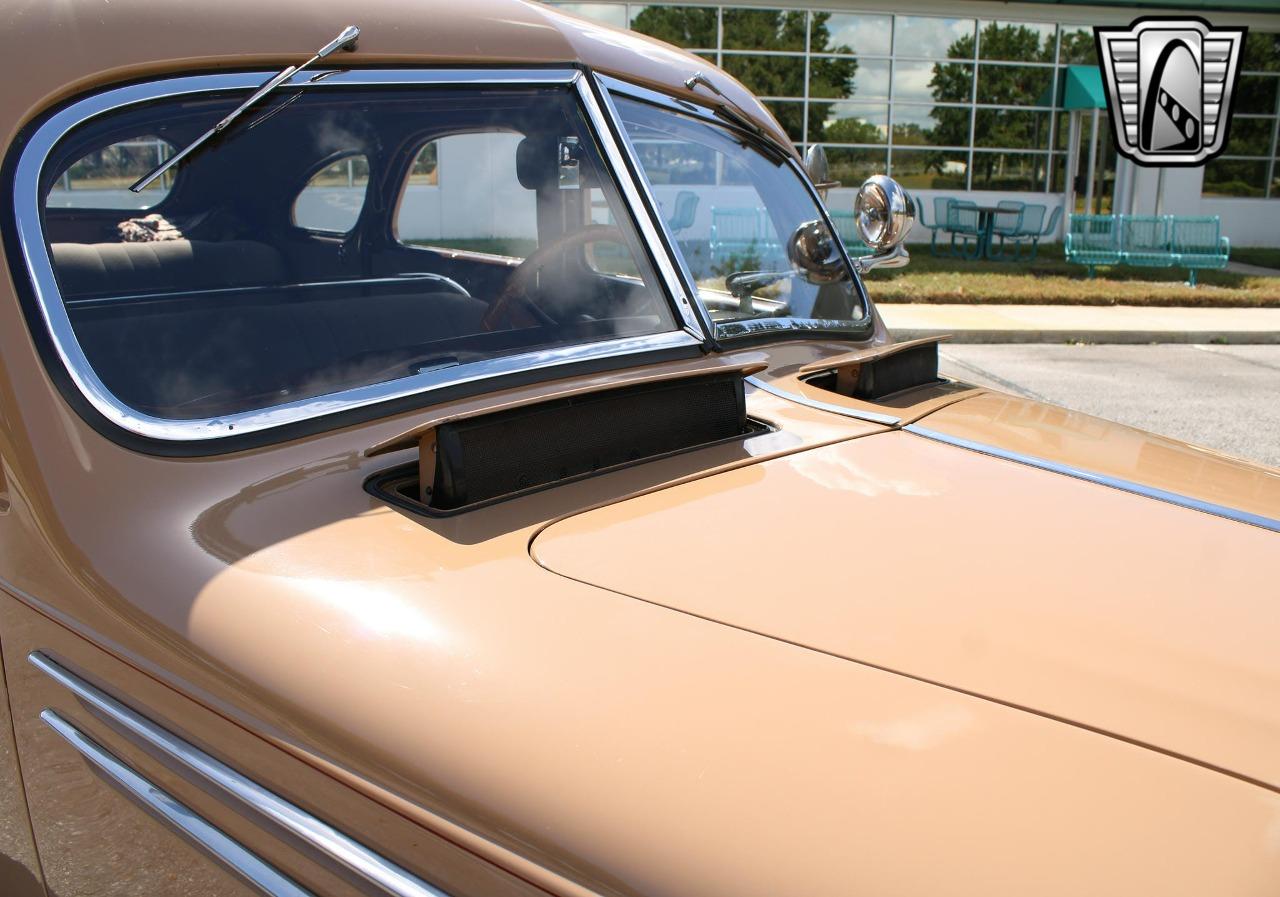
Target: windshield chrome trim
(28, 215)
(230, 853)
(785, 326)
(674, 268)
(333, 844)
(1102, 479)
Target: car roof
(57, 50)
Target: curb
(1116, 337)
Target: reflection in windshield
(741, 218)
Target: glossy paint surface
(1080, 440)
(1146, 620)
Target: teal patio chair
(1198, 243)
(685, 212)
(964, 221)
(1006, 223)
(1093, 240)
(941, 205)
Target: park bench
(1153, 241)
(744, 237)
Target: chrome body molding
(243, 862)
(346, 852)
(1173, 498)
(28, 214)
(873, 416)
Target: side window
(101, 179)
(332, 200)
(463, 193)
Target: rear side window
(101, 179)
(332, 200)
(463, 192)
(214, 308)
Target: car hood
(1151, 622)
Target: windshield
(336, 238)
(751, 234)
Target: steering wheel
(517, 285)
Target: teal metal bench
(1151, 241)
(1198, 243)
(743, 235)
(1093, 240)
(847, 230)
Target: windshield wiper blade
(736, 115)
(344, 41)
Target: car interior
(233, 303)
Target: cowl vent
(468, 461)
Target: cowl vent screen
(487, 457)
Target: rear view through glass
(338, 237)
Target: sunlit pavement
(1223, 397)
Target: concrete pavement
(1083, 323)
(1223, 397)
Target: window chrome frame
(786, 327)
(28, 218)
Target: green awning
(1083, 88)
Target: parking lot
(1222, 397)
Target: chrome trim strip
(256, 871)
(28, 217)
(874, 417)
(1173, 498)
(646, 208)
(321, 836)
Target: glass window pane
(1235, 177)
(614, 14)
(101, 179)
(332, 200)
(943, 82)
(763, 29)
(1016, 41)
(853, 166)
(1062, 131)
(1015, 85)
(837, 32)
(676, 162)
(930, 169)
(1257, 93)
(931, 125)
(1250, 136)
(768, 76)
(1077, 47)
(933, 37)
(1009, 171)
(693, 27)
(848, 122)
(1011, 128)
(790, 115)
(1058, 173)
(1261, 52)
(735, 241)
(241, 314)
(843, 77)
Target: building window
(939, 102)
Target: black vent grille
(500, 454)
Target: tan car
(467, 463)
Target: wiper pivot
(345, 41)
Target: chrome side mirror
(883, 213)
(815, 164)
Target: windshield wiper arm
(345, 41)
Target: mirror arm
(896, 257)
